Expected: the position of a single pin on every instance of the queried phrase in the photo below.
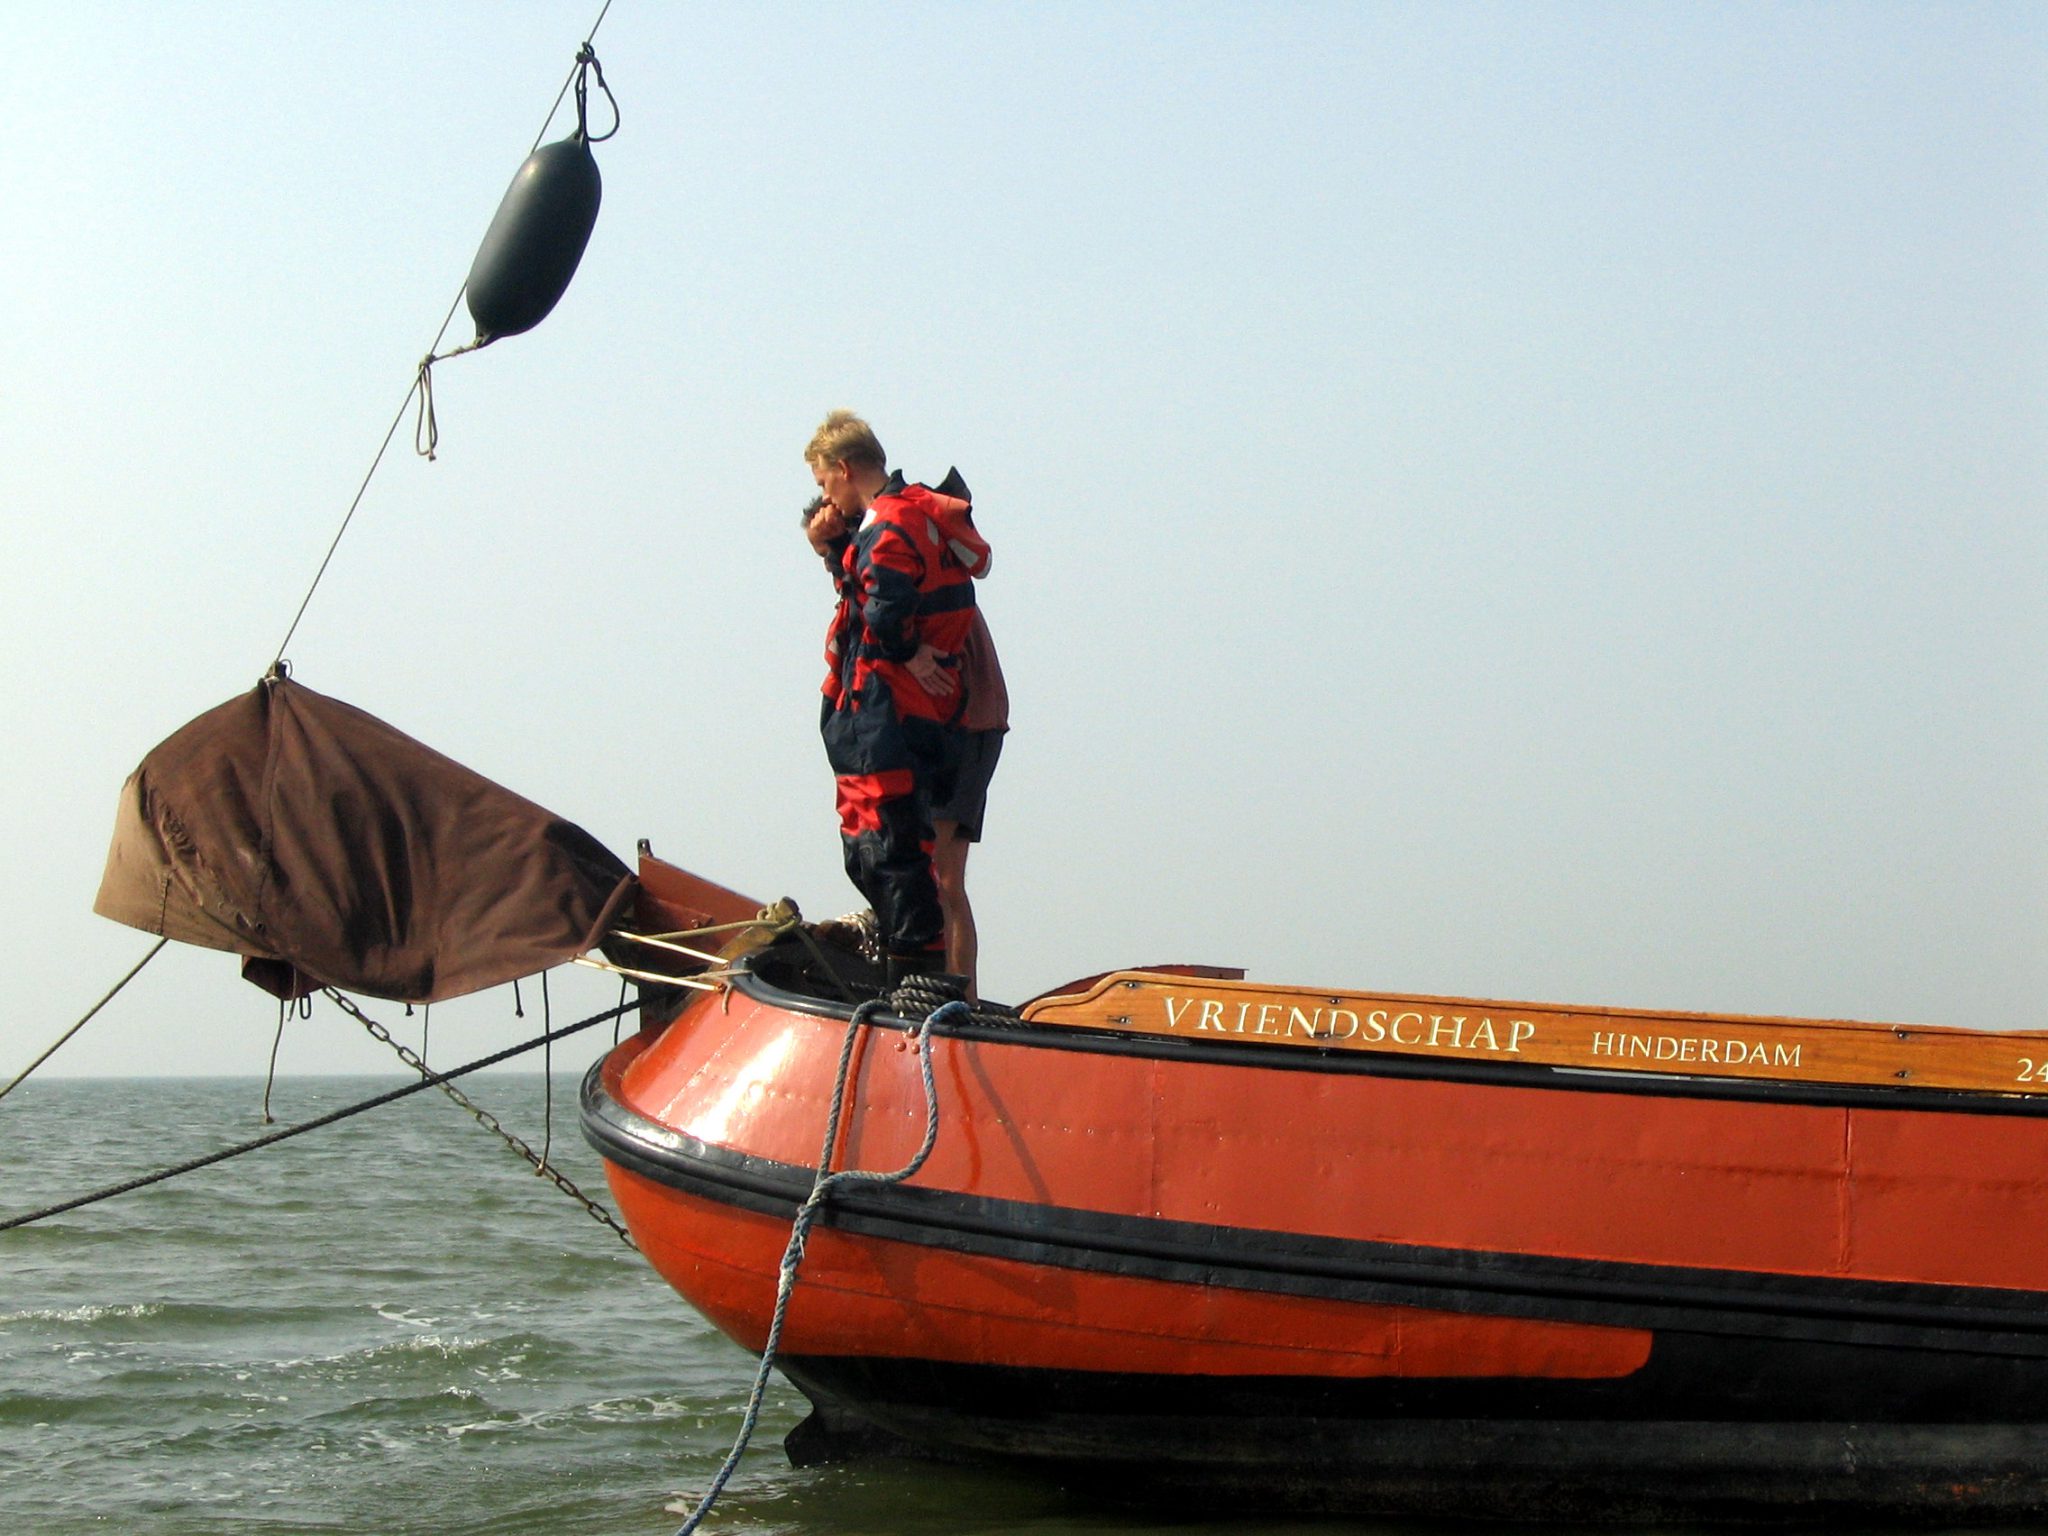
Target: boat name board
(1702, 1049)
(1331, 1024)
(1808, 1050)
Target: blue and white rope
(821, 1190)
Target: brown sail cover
(329, 849)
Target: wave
(88, 1312)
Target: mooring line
(95, 1008)
(433, 1080)
(821, 1190)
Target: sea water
(389, 1324)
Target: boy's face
(835, 484)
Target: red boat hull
(1365, 1283)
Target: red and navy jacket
(906, 580)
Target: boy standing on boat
(895, 695)
(956, 819)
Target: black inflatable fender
(536, 239)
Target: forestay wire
(421, 388)
(133, 972)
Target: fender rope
(821, 1191)
(191, 1165)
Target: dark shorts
(965, 800)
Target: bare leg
(949, 867)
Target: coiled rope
(822, 1188)
(431, 1080)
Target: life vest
(907, 581)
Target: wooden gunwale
(1221, 1012)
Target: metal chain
(487, 1120)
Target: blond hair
(844, 436)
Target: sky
(1538, 502)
